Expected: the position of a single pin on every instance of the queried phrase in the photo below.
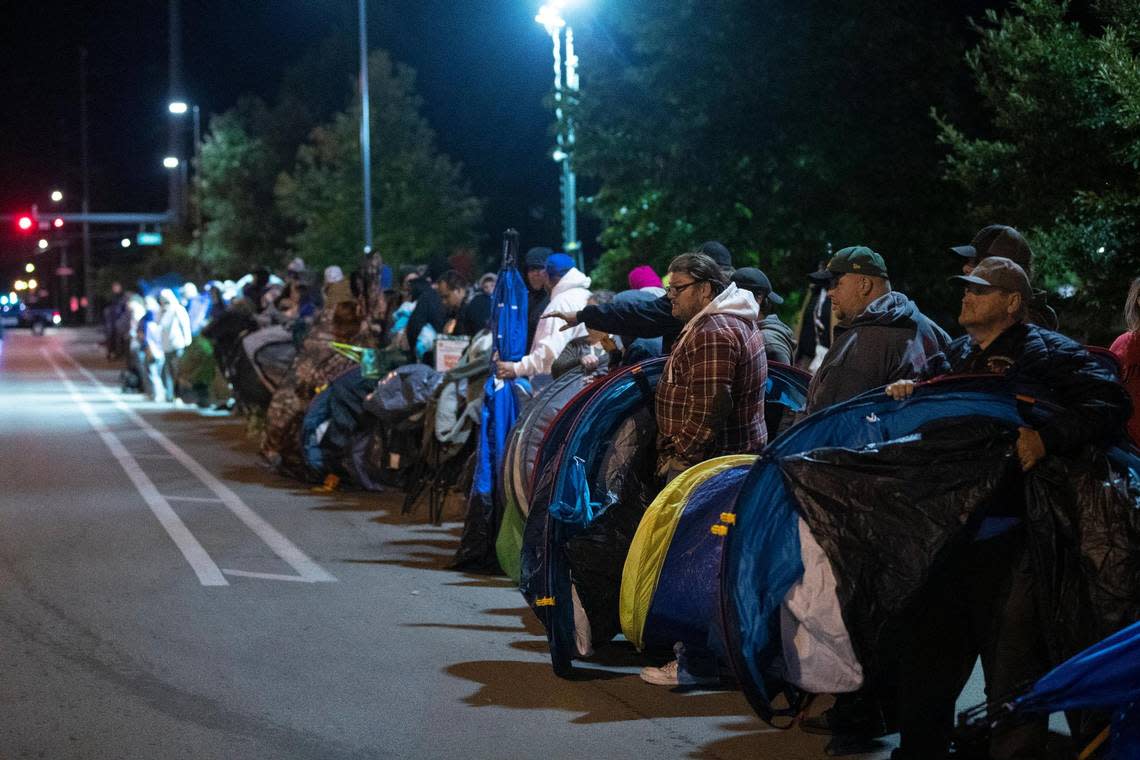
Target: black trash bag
(624, 487)
(887, 515)
(1084, 543)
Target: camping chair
(449, 439)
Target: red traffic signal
(57, 222)
(24, 223)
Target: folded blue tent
(762, 556)
(592, 485)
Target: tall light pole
(178, 108)
(365, 129)
(177, 194)
(565, 93)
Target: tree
(237, 174)
(775, 127)
(424, 205)
(250, 145)
(1063, 148)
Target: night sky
(483, 67)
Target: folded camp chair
(449, 439)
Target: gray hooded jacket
(891, 340)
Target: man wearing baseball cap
(981, 601)
(881, 335)
(1003, 240)
(779, 340)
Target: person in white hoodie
(569, 291)
(174, 324)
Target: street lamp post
(565, 92)
(178, 108)
(365, 129)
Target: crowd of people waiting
(718, 327)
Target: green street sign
(149, 238)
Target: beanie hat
(296, 265)
(559, 264)
(536, 257)
(716, 251)
(643, 277)
(333, 274)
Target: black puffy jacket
(1094, 405)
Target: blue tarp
(1104, 676)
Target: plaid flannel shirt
(710, 398)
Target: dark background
(484, 68)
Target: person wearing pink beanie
(644, 277)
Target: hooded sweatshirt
(891, 340)
(569, 295)
(710, 398)
(779, 340)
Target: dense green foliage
(1061, 160)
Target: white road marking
(208, 573)
(266, 576)
(309, 570)
(210, 499)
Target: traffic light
(25, 223)
(57, 222)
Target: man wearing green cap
(881, 336)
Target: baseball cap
(858, 259)
(536, 257)
(998, 240)
(559, 264)
(751, 278)
(999, 272)
(717, 252)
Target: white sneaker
(671, 674)
(666, 675)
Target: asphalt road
(161, 596)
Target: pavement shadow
(533, 686)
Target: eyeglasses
(674, 290)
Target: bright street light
(32, 284)
(29, 268)
(56, 196)
(179, 107)
(19, 285)
(43, 244)
(125, 242)
(170, 162)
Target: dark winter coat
(1094, 405)
(639, 319)
(536, 303)
(429, 311)
(891, 340)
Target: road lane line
(208, 573)
(209, 499)
(285, 549)
(266, 576)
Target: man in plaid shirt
(710, 399)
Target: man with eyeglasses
(881, 335)
(981, 601)
(710, 402)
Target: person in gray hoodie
(779, 340)
(881, 336)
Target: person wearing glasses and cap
(1003, 240)
(881, 336)
(982, 600)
